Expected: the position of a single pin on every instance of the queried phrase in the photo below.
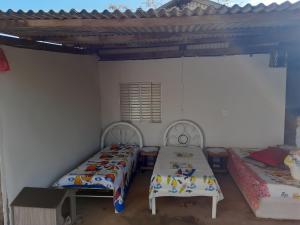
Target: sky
(89, 5)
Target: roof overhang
(157, 33)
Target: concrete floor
(176, 211)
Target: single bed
(181, 168)
(108, 172)
(270, 192)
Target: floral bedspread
(107, 169)
(252, 186)
(260, 181)
(183, 172)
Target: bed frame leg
(153, 206)
(214, 207)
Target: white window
(140, 102)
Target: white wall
(238, 100)
(49, 115)
(50, 109)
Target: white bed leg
(150, 206)
(153, 206)
(214, 207)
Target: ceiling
(161, 33)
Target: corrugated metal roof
(151, 13)
(192, 31)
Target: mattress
(183, 172)
(107, 170)
(271, 192)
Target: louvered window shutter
(140, 102)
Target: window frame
(140, 102)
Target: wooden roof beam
(187, 53)
(23, 43)
(112, 39)
(133, 41)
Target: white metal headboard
(121, 133)
(184, 133)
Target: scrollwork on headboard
(121, 133)
(184, 133)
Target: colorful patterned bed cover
(108, 170)
(183, 172)
(258, 181)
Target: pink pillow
(271, 156)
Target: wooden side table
(147, 157)
(47, 206)
(217, 159)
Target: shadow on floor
(233, 210)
